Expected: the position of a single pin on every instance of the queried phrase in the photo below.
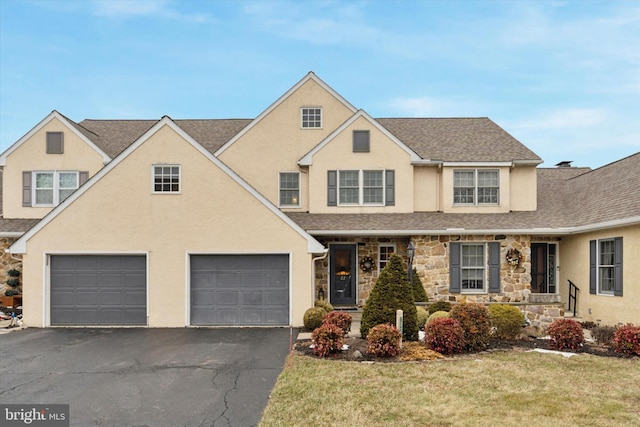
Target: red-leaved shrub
(444, 335)
(626, 340)
(566, 334)
(339, 318)
(384, 341)
(327, 339)
(475, 322)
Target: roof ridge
(433, 118)
(607, 165)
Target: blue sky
(563, 77)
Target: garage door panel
(98, 290)
(239, 290)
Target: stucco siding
(32, 155)
(604, 309)
(426, 191)
(119, 214)
(522, 194)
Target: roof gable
(313, 246)
(287, 94)
(73, 127)
(307, 159)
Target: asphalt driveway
(146, 377)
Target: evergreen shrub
(440, 306)
(444, 335)
(391, 292)
(566, 334)
(419, 294)
(507, 321)
(383, 341)
(422, 315)
(313, 318)
(474, 319)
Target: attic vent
(564, 164)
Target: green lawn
(499, 389)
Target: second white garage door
(239, 290)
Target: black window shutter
(84, 176)
(593, 268)
(26, 188)
(455, 279)
(494, 267)
(390, 188)
(332, 188)
(617, 266)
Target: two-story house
(245, 222)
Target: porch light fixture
(411, 251)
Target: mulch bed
(417, 350)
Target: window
(361, 187)
(55, 143)
(311, 117)
(289, 189)
(476, 187)
(166, 179)
(360, 141)
(606, 266)
(473, 267)
(384, 253)
(53, 187)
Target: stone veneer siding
(7, 263)
(432, 264)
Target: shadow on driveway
(146, 377)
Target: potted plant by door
(12, 296)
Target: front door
(342, 274)
(543, 268)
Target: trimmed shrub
(440, 306)
(627, 340)
(603, 335)
(391, 292)
(383, 341)
(444, 335)
(339, 318)
(313, 317)
(323, 303)
(566, 334)
(419, 294)
(438, 315)
(327, 339)
(423, 316)
(474, 319)
(507, 321)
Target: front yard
(497, 389)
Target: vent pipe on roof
(564, 164)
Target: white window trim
(56, 187)
(388, 245)
(153, 178)
(599, 291)
(485, 267)
(475, 187)
(280, 189)
(302, 115)
(361, 187)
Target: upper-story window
(476, 187)
(361, 187)
(53, 187)
(361, 141)
(289, 189)
(166, 178)
(311, 117)
(55, 142)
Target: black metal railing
(573, 297)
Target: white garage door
(240, 290)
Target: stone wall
(7, 262)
